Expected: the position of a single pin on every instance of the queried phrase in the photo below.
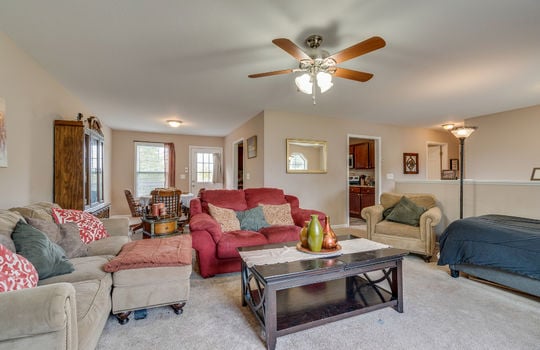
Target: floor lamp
(462, 133)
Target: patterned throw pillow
(225, 217)
(278, 214)
(16, 272)
(90, 228)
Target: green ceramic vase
(315, 234)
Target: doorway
(437, 157)
(363, 181)
(238, 156)
(206, 168)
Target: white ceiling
(137, 63)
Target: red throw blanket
(171, 251)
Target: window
(205, 167)
(297, 161)
(151, 167)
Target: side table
(155, 226)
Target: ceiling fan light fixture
(304, 83)
(324, 81)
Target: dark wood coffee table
(290, 297)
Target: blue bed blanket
(505, 242)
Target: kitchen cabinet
(364, 155)
(360, 197)
(78, 168)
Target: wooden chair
(171, 198)
(136, 212)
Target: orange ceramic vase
(304, 235)
(329, 238)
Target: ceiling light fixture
(448, 126)
(174, 123)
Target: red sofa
(216, 250)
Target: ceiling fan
(319, 66)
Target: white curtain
(217, 176)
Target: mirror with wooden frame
(306, 156)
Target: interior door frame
(378, 147)
(235, 160)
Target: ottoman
(150, 273)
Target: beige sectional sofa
(67, 311)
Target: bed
(498, 248)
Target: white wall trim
(472, 182)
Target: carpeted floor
(440, 312)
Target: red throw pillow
(16, 272)
(90, 228)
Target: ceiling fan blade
(359, 49)
(266, 74)
(291, 48)
(352, 74)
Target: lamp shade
(463, 132)
(324, 81)
(304, 83)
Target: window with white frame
(150, 167)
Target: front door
(206, 168)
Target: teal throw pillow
(406, 212)
(48, 258)
(252, 219)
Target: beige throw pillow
(277, 214)
(225, 217)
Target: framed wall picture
(454, 164)
(448, 174)
(410, 163)
(252, 147)
(535, 176)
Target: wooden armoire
(78, 168)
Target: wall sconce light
(174, 123)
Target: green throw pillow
(252, 219)
(406, 212)
(48, 258)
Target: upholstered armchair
(411, 228)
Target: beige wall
(34, 99)
(123, 156)
(328, 192)
(253, 167)
(479, 198)
(499, 158)
(506, 145)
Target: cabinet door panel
(361, 157)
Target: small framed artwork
(454, 164)
(448, 174)
(410, 163)
(252, 147)
(535, 176)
